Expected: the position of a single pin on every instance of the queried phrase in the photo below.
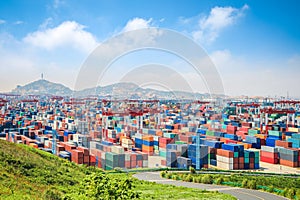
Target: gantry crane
(267, 111)
(255, 106)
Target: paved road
(239, 193)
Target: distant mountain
(122, 90)
(41, 87)
(127, 90)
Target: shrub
(298, 194)
(207, 179)
(252, 184)
(197, 179)
(285, 191)
(51, 194)
(163, 174)
(175, 177)
(245, 183)
(219, 181)
(189, 178)
(99, 186)
(192, 170)
(271, 189)
(118, 169)
(290, 193)
(168, 175)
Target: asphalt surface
(239, 193)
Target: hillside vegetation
(28, 173)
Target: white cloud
(58, 3)
(245, 75)
(18, 22)
(221, 57)
(46, 24)
(137, 23)
(209, 27)
(69, 33)
(2, 21)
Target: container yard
(130, 134)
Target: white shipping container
(226, 166)
(102, 155)
(117, 149)
(224, 159)
(127, 156)
(145, 163)
(269, 149)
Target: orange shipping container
(225, 153)
(147, 148)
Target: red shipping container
(113, 140)
(269, 160)
(84, 150)
(269, 154)
(235, 160)
(92, 158)
(133, 157)
(133, 163)
(251, 165)
(251, 160)
(127, 164)
(241, 160)
(163, 162)
(235, 166)
(77, 156)
(86, 159)
(241, 166)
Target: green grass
(278, 184)
(150, 190)
(28, 173)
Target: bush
(251, 184)
(192, 170)
(197, 179)
(207, 179)
(163, 174)
(298, 194)
(118, 169)
(219, 181)
(168, 175)
(175, 177)
(290, 193)
(99, 186)
(271, 189)
(51, 194)
(245, 183)
(189, 178)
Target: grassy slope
(26, 173)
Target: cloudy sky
(255, 45)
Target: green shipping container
(253, 132)
(210, 133)
(162, 153)
(275, 133)
(180, 142)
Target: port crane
(267, 111)
(255, 106)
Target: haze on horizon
(255, 45)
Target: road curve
(239, 193)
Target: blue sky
(254, 44)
